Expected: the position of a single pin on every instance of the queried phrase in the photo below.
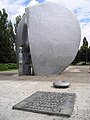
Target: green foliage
(7, 39)
(85, 42)
(9, 66)
(18, 18)
(77, 58)
(83, 54)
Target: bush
(9, 66)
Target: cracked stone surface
(13, 89)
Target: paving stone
(53, 103)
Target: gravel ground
(13, 89)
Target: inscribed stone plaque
(49, 103)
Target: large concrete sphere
(54, 37)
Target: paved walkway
(13, 89)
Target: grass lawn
(8, 66)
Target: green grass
(9, 66)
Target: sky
(81, 8)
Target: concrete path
(13, 89)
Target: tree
(18, 18)
(85, 42)
(6, 39)
(84, 51)
(88, 54)
(11, 38)
(3, 35)
(83, 54)
(77, 58)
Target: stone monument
(47, 40)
